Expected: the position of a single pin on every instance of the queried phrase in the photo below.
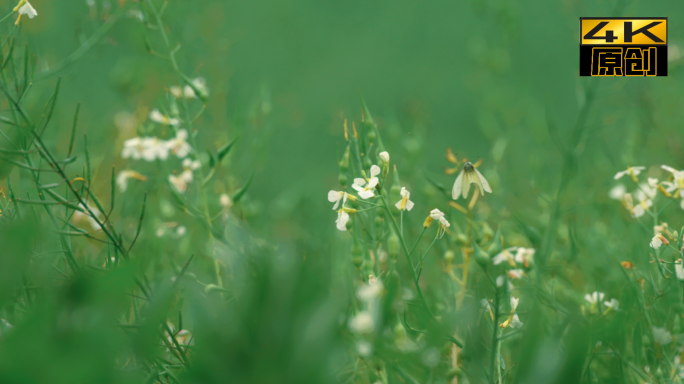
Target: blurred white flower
(178, 145)
(187, 90)
(515, 273)
(661, 336)
(404, 204)
(633, 172)
(504, 255)
(181, 180)
(384, 156)
(364, 348)
(652, 182)
(366, 187)
(524, 256)
(644, 203)
(658, 240)
(362, 323)
(146, 148)
(469, 175)
(225, 201)
(613, 304)
(123, 176)
(80, 216)
(436, 214)
(369, 292)
(191, 164)
(513, 321)
(160, 118)
(618, 192)
(594, 297)
(181, 231)
(679, 271)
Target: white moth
(469, 175)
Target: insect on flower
(469, 175)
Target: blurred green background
(496, 80)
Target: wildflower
(385, 157)
(594, 300)
(618, 192)
(337, 196)
(469, 175)
(181, 181)
(191, 164)
(146, 148)
(443, 225)
(613, 304)
(225, 201)
(658, 240)
(524, 256)
(679, 271)
(160, 118)
(371, 291)
(642, 206)
(342, 219)
(513, 321)
(515, 273)
(404, 204)
(504, 255)
(123, 176)
(661, 336)
(188, 91)
(362, 323)
(24, 8)
(652, 182)
(178, 145)
(633, 172)
(81, 215)
(365, 187)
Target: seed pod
(357, 254)
(449, 255)
(393, 245)
(461, 239)
(371, 135)
(344, 163)
(366, 162)
(342, 178)
(481, 257)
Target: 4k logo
(617, 46)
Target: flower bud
(449, 255)
(461, 239)
(482, 257)
(371, 135)
(344, 163)
(357, 254)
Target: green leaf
(238, 195)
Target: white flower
(618, 192)
(632, 171)
(362, 323)
(79, 216)
(342, 218)
(225, 201)
(364, 348)
(677, 175)
(181, 181)
(201, 86)
(27, 10)
(160, 118)
(612, 304)
(146, 148)
(123, 176)
(661, 336)
(337, 196)
(178, 145)
(658, 240)
(515, 322)
(515, 273)
(384, 156)
(469, 175)
(504, 255)
(443, 225)
(642, 206)
(404, 204)
(436, 214)
(365, 188)
(524, 256)
(514, 303)
(594, 297)
(652, 182)
(646, 191)
(181, 231)
(191, 164)
(369, 292)
(679, 271)
(500, 281)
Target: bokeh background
(492, 79)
